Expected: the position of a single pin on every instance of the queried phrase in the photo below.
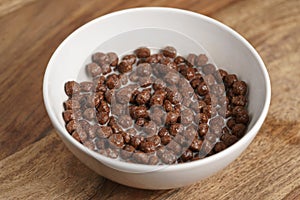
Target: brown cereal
(124, 67)
(231, 122)
(123, 78)
(202, 129)
(155, 139)
(69, 115)
(127, 151)
(172, 78)
(188, 73)
(113, 58)
(113, 124)
(201, 118)
(93, 69)
(71, 88)
(168, 106)
(89, 114)
(176, 129)
(242, 117)
(187, 155)
(150, 128)
(104, 131)
(143, 97)
(133, 76)
(202, 88)
(153, 160)
(155, 58)
(91, 131)
(175, 147)
(147, 147)
(208, 69)
(140, 122)
(100, 58)
(103, 107)
(163, 132)
(86, 86)
(84, 124)
(179, 59)
(112, 152)
(168, 157)
(116, 140)
(144, 69)
(174, 96)
(76, 136)
(99, 82)
(229, 139)
(71, 104)
(198, 106)
(136, 141)
(220, 146)
(140, 157)
(145, 81)
(130, 59)
(166, 139)
(105, 68)
(192, 59)
(218, 90)
(172, 117)
(207, 147)
(222, 73)
(108, 96)
(239, 100)
(211, 137)
(102, 117)
(90, 145)
(209, 79)
(142, 52)
(113, 81)
(157, 115)
(239, 88)
(169, 52)
(159, 84)
(123, 95)
(139, 112)
(161, 92)
(157, 99)
(230, 79)
(125, 121)
(196, 145)
(181, 67)
(187, 117)
(176, 110)
(195, 82)
(209, 111)
(201, 60)
(72, 126)
(239, 130)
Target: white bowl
(126, 30)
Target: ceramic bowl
(155, 27)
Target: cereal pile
(157, 108)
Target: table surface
(35, 164)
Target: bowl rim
(134, 167)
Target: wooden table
(35, 164)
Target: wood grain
(35, 164)
(7, 6)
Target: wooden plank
(8, 6)
(46, 169)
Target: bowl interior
(124, 31)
